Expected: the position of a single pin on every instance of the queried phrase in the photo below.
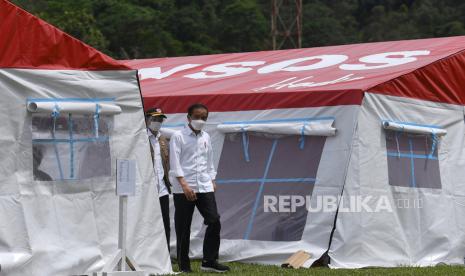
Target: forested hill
(158, 28)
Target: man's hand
(188, 192)
(214, 185)
(190, 195)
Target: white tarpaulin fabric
(69, 225)
(315, 128)
(424, 189)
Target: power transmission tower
(286, 24)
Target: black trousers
(184, 209)
(165, 213)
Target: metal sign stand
(121, 261)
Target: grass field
(249, 269)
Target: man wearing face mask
(159, 151)
(193, 177)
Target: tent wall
(330, 176)
(66, 227)
(425, 226)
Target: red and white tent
(68, 112)
(378, 126)
(305, 77)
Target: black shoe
(213, 266)
(186, 270)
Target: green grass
(251, 269)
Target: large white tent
(381, 124)
(67, 113)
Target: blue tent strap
(55, 114)
(414, 156)
(260, 191)
(71, 147)
(96, 119)
(56, 111)
(412, 164)
(280, 120)
(302, 135)
(434, 137)
(267, 180)
(245, 144)
(77, 140)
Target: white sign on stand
(125, 177)
(125, 186)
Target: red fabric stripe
(442, 81)
(256, 101)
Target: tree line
(126, 29)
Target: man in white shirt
(193, 177)
(159, 151)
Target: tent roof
(429, 69)
(28, 42)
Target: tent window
(277, 166)
(69, 146)
(413, 157)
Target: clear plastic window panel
(276, 165)
(70, 146)
(412, 160)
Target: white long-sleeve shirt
(191, 157)
(157, 164)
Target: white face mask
(155, 126)
(198, 124)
